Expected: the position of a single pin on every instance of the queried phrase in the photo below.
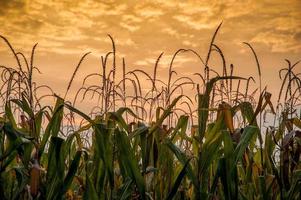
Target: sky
(65, 30)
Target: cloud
(297, 36)
(144, 29)
(129, 27)
(192, 23)
(131, 18)
(149, 25)
(165, 61)
(125, 42)
(55, 24)
(192, 8)
(141, 62)
(278, 42)
(148, 12)
(189, 43)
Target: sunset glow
(150, 100)
(65, 30)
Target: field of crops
(160, 142)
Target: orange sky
(65, 30)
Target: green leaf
(71, 172)
(181, 128)
(203, 103)
(55, 168)
(103, 147)
(80, 113)
(165, 114)
(9, 114)
(210, 147)
(54, 124)
(177, 182)
(183, 159)
(247, 135)
(90, 192)
(128, 160)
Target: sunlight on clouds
(192, 8)
(148, 12)
(278, 42)
(131, 18)
(126, 42)
(170, 31)
(189, 44)
(141, 63)
(143, 29)
(193, 23)
(236, 9)
(165, 61)
(65, 30)
(129, 27)
(53, 23)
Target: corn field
(184, 138)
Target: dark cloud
(297, 36)
(7, 5)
